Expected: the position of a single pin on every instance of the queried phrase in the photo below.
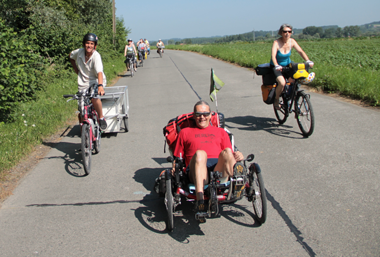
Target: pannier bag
(263, 69)
(269, 93)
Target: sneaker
(200, 206)
(200, 209)
(103, 124)
(239, 173)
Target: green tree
(351, 31)
(312, 30)
(339, 32)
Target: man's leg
(198, 172)
(97, 103)
(226, 162)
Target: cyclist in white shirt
(160, 43)
(87, 63)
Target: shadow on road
(153, 214)
(124, 75)
(269, 125)
(72, 157)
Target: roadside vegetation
(348, 66)
(35, 41)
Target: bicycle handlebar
(88, 93)
(295, 67)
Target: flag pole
(216, 104)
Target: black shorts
(211, 163)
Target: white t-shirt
(88, 72)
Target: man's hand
(101, 90)
(238, 156)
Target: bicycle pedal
(201, 216)
(239, 181)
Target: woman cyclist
(131, 50)
(281, 51)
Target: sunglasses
(199, 114)
(287, 31)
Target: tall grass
(36, 120)
(348, 66)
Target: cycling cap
(90, 37)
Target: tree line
(311, 32)
(37, 36)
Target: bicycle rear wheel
(86, 148)
(131, 68)
(97, 140)
(283, 113)
(304, 114)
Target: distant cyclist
(130, 53)
(159, 45)
(147, 45)
(281, 51)
(87, 63)
(141, 47)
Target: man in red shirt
(205, 148)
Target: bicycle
(160, 50)
(129, 62)
(141, 57)
(293, 99)
(90, 128)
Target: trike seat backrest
(174, 126)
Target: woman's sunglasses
(287, 31)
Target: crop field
(347, 66)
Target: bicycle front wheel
(304, 114)
(169, 202)
(283, 113)
(259, 199)
(86, 148)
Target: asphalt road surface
(323, 191)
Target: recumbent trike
(175, 186)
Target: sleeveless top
(129, 49)
(283, 59)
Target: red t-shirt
(210, 139)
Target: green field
(350, 67)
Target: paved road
(323, 192)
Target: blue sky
(205, 18)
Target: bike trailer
(115, 106)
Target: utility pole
(113, 21)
